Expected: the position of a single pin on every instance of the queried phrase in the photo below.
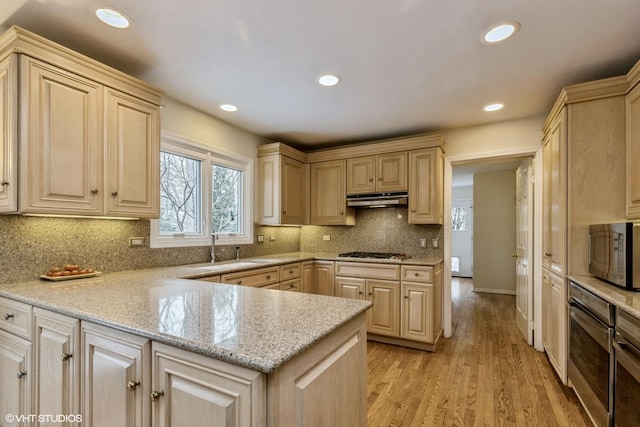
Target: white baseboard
(494, 291)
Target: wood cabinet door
(328, 194)
(417, 312)
(193, 390)
(61, 136)
(323, 272)
(558, 326)
(9, 134)
(308, 277)
(133, 161)
(391, 172)
(633, 152)
(15, 377)
(555, 195)
(56, 381)
(351, 287)
(426, 191)
(293, 185)
(361, 175)
(117, 378)
(384, 315)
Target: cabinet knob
(290, 271)
(547, 254)
(239, 282)
(341, 212)
(94, 191)
(413, 210)
(155, 395)
(359, 292)
(380, 179)
(268, 276)
(8, 316)
(284, 212)
(370, 179)
(114, 193)
(66, 356)
(4, 183)
(131, 385)
(416, 274)
(406, 297)
(21, 374)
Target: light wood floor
(485, 375)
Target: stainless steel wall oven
(591, 367)
(627, 382)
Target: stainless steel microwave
(611, 253)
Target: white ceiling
(407, 66)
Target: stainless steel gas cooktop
(377, 255)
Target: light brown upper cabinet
(633, 152)
(283, 191)
(8, 134)
(381, 173)
(89, 135)
(328, 194)
(426, 186)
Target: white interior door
(524, 250)
(462, 238)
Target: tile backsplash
(31, 245)
(376, 230)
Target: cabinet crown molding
(19, 40)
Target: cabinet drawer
(368, 270)
(411, 273)
(259, 277)
(15, 317)
(215, 278)
(291, 285)
(290, 271)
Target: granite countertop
(256, 328)
(628, 301)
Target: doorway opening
(482, 240)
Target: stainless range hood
(378, 200)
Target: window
(202, 191)
(458, 219)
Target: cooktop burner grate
(377, 255)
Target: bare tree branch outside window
(227, 196)
(458, 219)
(179, 188)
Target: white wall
(494, 239)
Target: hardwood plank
(484, 375)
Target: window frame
(179, 145)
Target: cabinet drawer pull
(156, 395)
(131, 385)
(21, 374)
(8, 316)
(416, 274)
(66, 356)
(4, 183)
(290, 271)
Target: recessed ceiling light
(328, 80)
(501, 31)
(112, 17)
(493, 107)
(228, 107)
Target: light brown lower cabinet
(406, 311)
(57, 356)
(15, 376)
(116, 377)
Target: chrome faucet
(214, 237)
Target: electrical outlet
(272, 238)
(326, 237)
(260, 238)
(135, 242)
(423, 243)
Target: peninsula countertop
(256, 328)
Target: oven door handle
(628, 356)
(594, 327)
